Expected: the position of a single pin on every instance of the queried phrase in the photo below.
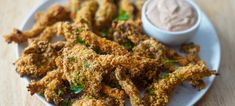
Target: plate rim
(193, 102)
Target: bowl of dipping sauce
(172, 22)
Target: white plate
(184, 95)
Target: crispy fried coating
(37, 59)
(125, 32)
(87, 12)
(106, 12)
(126, 6)
(158, 94)
(48, 86)
(101, 60)
(139, 4)
(92, 101)
(54, 14)
(116, 93)
(84, 64)
(74, 32)
(74, 6)
(129, 87)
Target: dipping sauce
(171, 15)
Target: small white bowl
(168, 37)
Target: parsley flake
(77, 88)
(122, 15)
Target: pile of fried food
(104, 57)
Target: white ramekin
(168, 37)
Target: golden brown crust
(105, 13)
(158, 94)
(54, 14)
(88, 69)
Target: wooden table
(221, 12)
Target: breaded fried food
(126, 33)
(158, 93)
(106, 12)
(127, 7)
(54, 14)
(116, 93)
(74, 6)
(139, 4)
(37, 59)
(80, 33)
(128, 86)
(84, 65)
(92, 101)
(104, 57)
(49, 86)
(87, 12)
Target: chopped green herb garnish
(169, 61)
(150, 92)
(76, 88)
(86, 64)
(72, 59)
(128, 45)
(122, 15)
(164, 75)
(80, 40)
(60, 92)
(90, 97)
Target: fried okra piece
(139, 4)
(116, 93)
(158, 93)
(50, 86)
(128, 86)
(81, 67)
(79, 33)
(88, 100)
(54, 14)
(126, 9)
(192, 52)
(87, 12)
(192, 55)
(126, 33)
(74, 6)
(153, 49)
(106, 12)
(37, 59)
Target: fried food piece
(87, 12)
(79, 33)
(192, 56)
(158, 94)
(37, 59)
(84, 65)
(54, 14)
(139, 4)
(128, 87)
(126, 33)
(106, 12)
(118, 94)
(127, 7)
(74, 6)
(192, 52)
(93, 101)
(49, 86)
(80, 66)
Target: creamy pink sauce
(171, 15)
